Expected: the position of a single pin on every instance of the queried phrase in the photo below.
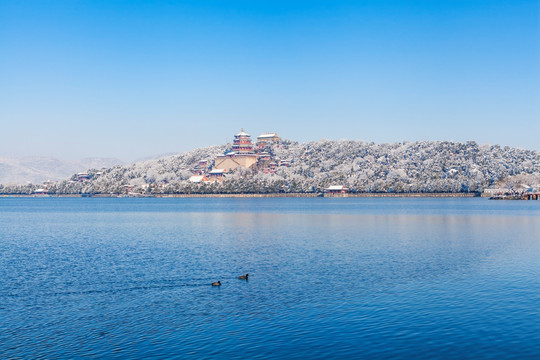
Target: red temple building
(241, 155)
(337, 189)
(266, 139)
(242, 143)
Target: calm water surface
(329, 278)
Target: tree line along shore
(291, 168)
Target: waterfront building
(41, 192)
(129, 188)
(337, 189)
(494, 191)
(531, 195)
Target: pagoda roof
(267, 135)
(242, 133)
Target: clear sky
(129, 79)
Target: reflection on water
(329, 278)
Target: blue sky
(129, 79)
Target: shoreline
(279, 195)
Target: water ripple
(374, 279)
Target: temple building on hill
(266, 139)
(241, 155)
(242, 143)
(198, 179)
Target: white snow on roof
(336, 187)
(196, 178)
(242, 133)
(267, 135)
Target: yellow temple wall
(231, 163)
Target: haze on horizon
(130, 79)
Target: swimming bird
(216, 283)
(243, 277)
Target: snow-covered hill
(428, 166)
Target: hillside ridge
(402, 167)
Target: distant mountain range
(37, 169)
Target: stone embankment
(311, 195)
(281, 195)
(439, 195)
(277, 195)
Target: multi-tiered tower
(241, 155)
(242, 143)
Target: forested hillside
(429, 166)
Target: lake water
(328, 278)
